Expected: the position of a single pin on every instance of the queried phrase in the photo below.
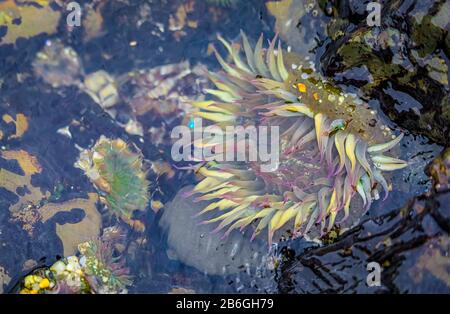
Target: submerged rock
(196, 246)
(300, 23)
(405, 62)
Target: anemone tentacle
(329, 153)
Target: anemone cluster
(332, 146)
(117, 172)
(98, 268)
(105, 272)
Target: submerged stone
(193, 243)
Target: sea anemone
(105, 271)
(117, 172)
(331, 145)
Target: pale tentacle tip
(225, 235)
(196, 215)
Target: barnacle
(331, 146)
(118, 174)
(65, 276)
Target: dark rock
(410, 243)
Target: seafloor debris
(178, 21)
(162, 92)
(165, 90)
(118, 174)
(59, 66)
(102, 88)
(331, 147)
(95, 269)
(156, 205)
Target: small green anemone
(118, 173)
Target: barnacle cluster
(332, 145)
(96, 269)
(64, 276)
(117, 172)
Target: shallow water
(62, 120)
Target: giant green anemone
(332, 146)
(117, 172)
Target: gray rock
(194, 244)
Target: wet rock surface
(249, 266)
(196, 245)
(403, 63)
(410, 244)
